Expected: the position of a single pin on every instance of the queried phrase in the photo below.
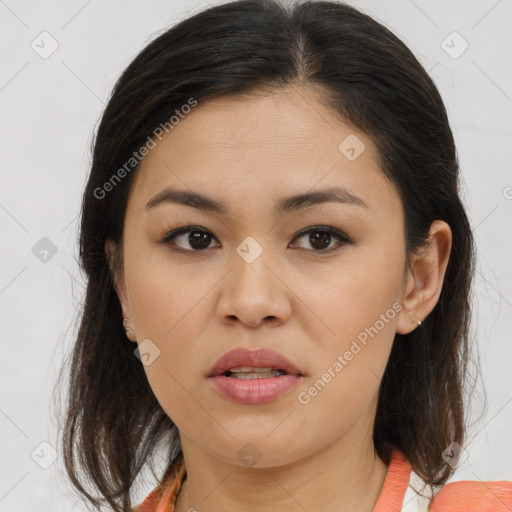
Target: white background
(49, 109)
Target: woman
(272, 218)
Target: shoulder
(474, 496)
(459, 496)
(163, 497)
(150, 504)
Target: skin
(306, 304)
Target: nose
(255, 292)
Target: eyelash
(336, 233)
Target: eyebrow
(285, 205)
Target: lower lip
(254, 391)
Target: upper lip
(256, 358)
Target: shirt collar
(391, 497)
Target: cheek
(163, 296)
(172, 306)
(355, 307)
(348, 296)
(167, 310)
(348, 363)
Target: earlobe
(130, 333)
(110, 254)
(407, 319)
(425, 278)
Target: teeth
(256, 375)
(250, 372)
(239, 369)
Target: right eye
(198, 238)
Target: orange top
(396, 495)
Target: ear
(120, 287)
(425, 276)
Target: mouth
(242, 363)
(247, 372)
(253, 377)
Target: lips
(254, 377)
(256, 358)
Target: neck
(344, 476)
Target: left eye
(320, 237)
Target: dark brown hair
(369, 78)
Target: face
(248, 276)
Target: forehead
(262, 145)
